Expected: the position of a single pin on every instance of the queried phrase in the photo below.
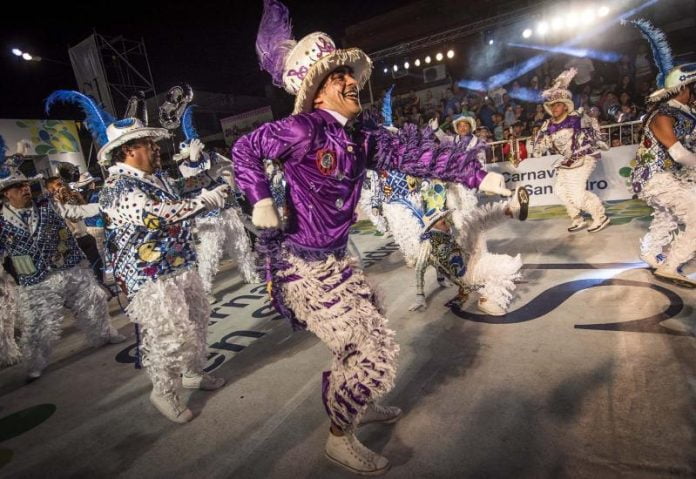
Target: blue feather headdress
(190, 132)
(96, 118)
(662, 53)
(387, 107)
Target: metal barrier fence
(627, 133)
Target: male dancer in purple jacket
(324, 155)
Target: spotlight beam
(512, 73)
(573, 52)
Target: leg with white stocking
(88, 302)
(209, 249)
(238, 245)
(677, 198)
(9, 351)
(41, 310)
(199, 315)
(167, 349)
(335, 302)
(660, 234)
(564, 190)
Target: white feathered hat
(300, 67)
(559, 92)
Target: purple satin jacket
(324, 169)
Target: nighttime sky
(211, 47)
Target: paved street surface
(591, 375)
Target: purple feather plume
(274, 40)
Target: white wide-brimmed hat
(300, 67)
(106, 130)
(467, 118)
(10, 174)
(559, 92)
(85, 179)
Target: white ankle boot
(347, 452)
(490, 308)
(170, 406)
(203, 381)
(376, 413)
(672, 274)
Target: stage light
(450, 53)
(427, 59)
(17, 52)
(588, 16)
(556, 23)
(406, 65)
(603, 11)
(571, 20)
(491, 42)
(386, 70)
(527, 33)
(26, 56)
(396, 68)
(417, 62)
(542, 28)
(438, 57)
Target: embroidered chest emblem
(326, 162)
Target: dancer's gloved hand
(420, 304)
(265, 215)
(433, 124)
(375, 211)
(494, 183)
(682, 155)
(195, 150)
(215, 198)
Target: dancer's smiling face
(559, 110)
(339, 92)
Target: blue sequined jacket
(44, 241)
(148, 224)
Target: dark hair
(52, 179)
(118, 154)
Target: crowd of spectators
(611, 92)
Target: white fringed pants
(173, 315)
(332, 298)
(9, 351)
(224, 235)
(674, 203)
(571, 188)
(41, 310)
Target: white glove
(682, 155)
(375, 211)
(265, 215)
(494, 183)
(433, 124)
(195, 149)
(420, 303)
(215, 198)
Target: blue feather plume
(3, 149)
(662, 53)
(187, 127)
(96, 118)
(387, 107)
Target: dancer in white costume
(576, 136)
(51, 270)
(492, 276)
(149, 243)
(665, 161)
(220, 231)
